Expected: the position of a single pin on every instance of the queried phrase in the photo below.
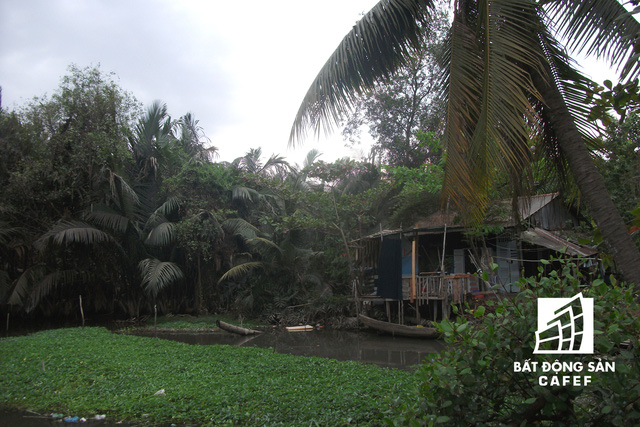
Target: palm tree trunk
(590, 182)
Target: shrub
(474, 383)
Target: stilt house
(436, 261)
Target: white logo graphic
(565, 325)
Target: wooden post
(444, 289)
(81, 311)
(413, 270)
(155, 317)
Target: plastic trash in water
(99, 417)
(71, 419)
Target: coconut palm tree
(281, 270)
(251, 162)
(507, 82)
(193, 141)
(117, 246)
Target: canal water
(366, 347)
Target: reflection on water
(366, 347)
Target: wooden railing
(435, 286)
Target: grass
(91, 371)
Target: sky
(241, 68)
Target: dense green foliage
(622, 170)
(474, 383)
(507, 81)
(127, 209)
(92, 371)
(111, 210)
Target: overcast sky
(241, 67)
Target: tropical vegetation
(84, 372)
(150, 222)
(512, 95)
(475, 382)
(117, 210)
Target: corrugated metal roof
(528, 206)
(382, 233)
(554, 241)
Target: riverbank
(91, 371)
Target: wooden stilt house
(435, 262)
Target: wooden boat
(235, 329)
(399, 330)
(299, 328)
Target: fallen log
(236, 329)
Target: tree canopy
(507, 81)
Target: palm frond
(157, 275)
(66, 232)
(162, 212)
(574, 88)
(169, 207)
(5, 283)
(490, 100)
(9, 232)
(371, 51)
(274, 161)
(240, 270)
(311, 157)
(162, 234)
(604, 28)
(501, 136)
(264, 246)
(154, 125)
(462, 88)
(250, 162)
(240, 227)
(108, 218)
(123, 194)
(50, 282)
(22, 286)
(244, 194)
(192, 140)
